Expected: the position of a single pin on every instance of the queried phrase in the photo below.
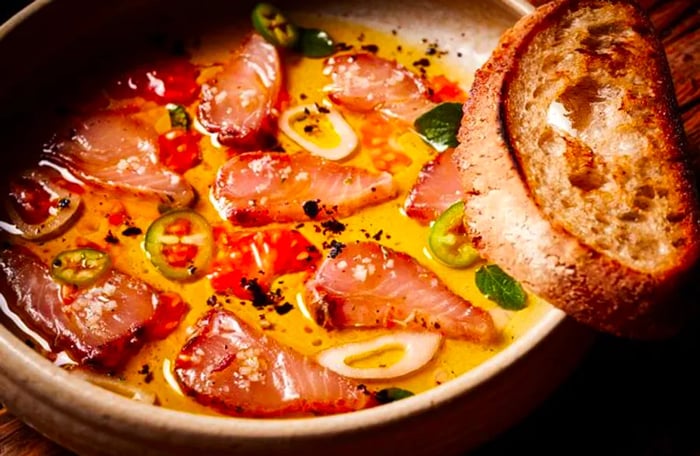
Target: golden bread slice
(573, 160)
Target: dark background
(626, 397)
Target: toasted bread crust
(510, 228)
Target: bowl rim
(56, 387)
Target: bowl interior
(469, 29)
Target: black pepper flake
(311, 208)
(434, 49)
(361, 37)
(336, 248)
(373, 48)
(132, 231)
(309, 128)
(323, 109)
(302, 96)
(333, 226)
(64, 203)
(212, 300)
(378, 235)
(394, 32)
(299, 226)
(146, 370)
(343, 47)
(284, 308)
(259, 297)
(111, 238)
(459, 54)
(424, 62)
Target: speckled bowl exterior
(449, 419)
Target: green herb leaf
(501, 288)
(315, 43)
(179, 118)
(386, 395)
(438, 127)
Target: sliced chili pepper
(272, 25)
(442, 90)
(448, 239)
(180, 244)
(179, 149)
(248, 262)
(173, 80)
(80, 267)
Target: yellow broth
(151, 368)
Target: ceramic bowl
(48, 39)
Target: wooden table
(626, 397)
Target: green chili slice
(80, 266)
(316, 43)
(448, 239)
(180, 244)
(272, 24)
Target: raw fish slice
(240, 371)
(436, 189)
(257, 188)
(369, 285)
(115, 151)
(241, 103)
(364, 82)
(101, 325)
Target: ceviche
(266, 225)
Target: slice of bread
(573, 161)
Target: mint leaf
(386, 395)
(501, 288)
(178, 116)
(438, 127)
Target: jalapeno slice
(272, 24)
(80, 266)
(180, 244)
(448, 239)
